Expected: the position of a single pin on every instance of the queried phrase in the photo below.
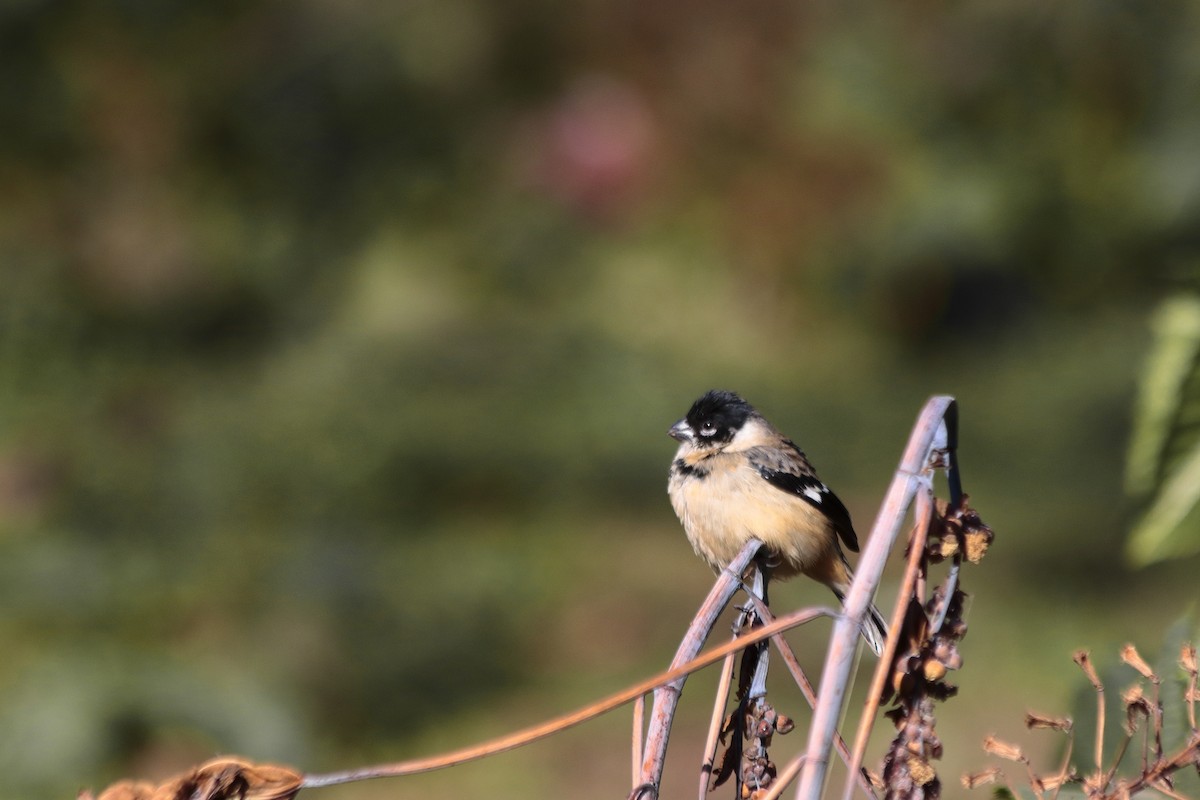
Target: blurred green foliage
(1163, 468)
(339, 341)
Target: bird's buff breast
(722, 506)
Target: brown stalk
(1084, 660)
(1187, 660)
(639, 715)
(1187, 756)
(1010, 752)
(924, 511)
(1107, 777)
(1064, 772)
(935, 430)
(714, 725)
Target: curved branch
(930, 445)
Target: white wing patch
(814, 493)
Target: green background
(339, 340)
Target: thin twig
(1185, 757)
(1084, 660)
(714, 725)
(1065, 770)
(1161, 787)
(1158, 716)
(717, 721)
(1187, 660)
(1108, 776)
(639, 729)
(784, 778)
(542, 730)
(938, 618)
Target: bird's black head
(713, 419)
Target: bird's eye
(708, 429)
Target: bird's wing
(789, 471)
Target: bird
(735, 476)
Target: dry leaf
(220, 779)
(1002, 749)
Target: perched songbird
(735, 476)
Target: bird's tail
(874, 629)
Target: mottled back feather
(796, 477)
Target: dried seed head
(1002, 749)
(1129, 655)
(1053, 782)
(933, 669)
(784, 724)
(945, 548)
(1060, 724)
(962, 523)
(1187, 658)
(971, 780)
(1136, 706)
(955, 627)
(977, 544)
(935, 748)
(1084, 659)
(946, 651)
(921, 771)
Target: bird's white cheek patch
(751, 434)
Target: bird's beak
(682, 431)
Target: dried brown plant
(1144, 714)
(929, 650)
